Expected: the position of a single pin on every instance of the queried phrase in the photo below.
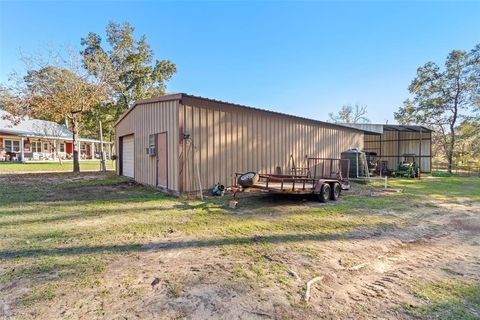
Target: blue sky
(302, 58)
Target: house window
(36, 146)
(12, 145)
(62, 147)
(45, 147)
(83, 147)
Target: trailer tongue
(325, 178)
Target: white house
(33, 139)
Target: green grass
(441, 188)
(441, 174)
(449, 300)
(64, 231)
(137, 214)
(67, 166)
(61, 231)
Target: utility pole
(103, 168)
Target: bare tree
(52, 132)
(58, 88)
(350, 114)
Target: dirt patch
(362, 278)
(365, 273)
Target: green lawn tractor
(407, 168)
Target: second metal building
(178, 140)
(392, 142)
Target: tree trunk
(453, 122)
(102, 153)
(450, 148)
(76, 163)
(450, 162)
(55, 151)
(57, 154)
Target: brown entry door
(162, 165)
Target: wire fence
(457, 170)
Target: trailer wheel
(248, 179)
(336, 190)
(324, 194)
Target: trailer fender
(318, 186)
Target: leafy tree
(350, 114)
(442, 98)
(134, 75)
(468, 147)
(55, 93)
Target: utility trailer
(325, 178)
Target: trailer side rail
(331, 168)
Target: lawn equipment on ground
(408, 167)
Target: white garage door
(128, 167)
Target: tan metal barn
(173, 140)
(391, 142)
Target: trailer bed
(288, 184)
(288, 187)
(331, 181)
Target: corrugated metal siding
(391, 148)
(146, 119)
(230, 139)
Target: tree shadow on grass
(83, 214)
(172, 245)
(29, 188)
(82, 193)
(213, 205)
(251, 203)
(206, 205)
(25, 208)
(125, 206)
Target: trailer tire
(324, 194)
(248, 179)
(335, 192)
